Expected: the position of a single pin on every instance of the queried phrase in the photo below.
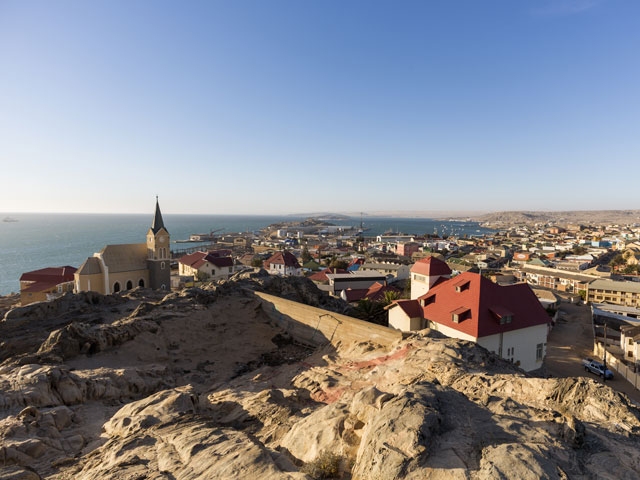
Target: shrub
(325, 465)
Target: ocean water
(50, 240)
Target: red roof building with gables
(283, 263)
(206, 265)
(46, 284)
(508, 320)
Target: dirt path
(570, 341)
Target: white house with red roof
(425, 273)
(283, 263)
(507, 320)
(206, 264)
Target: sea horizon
(37, 241)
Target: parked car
(596, 367)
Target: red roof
(411, 308)
(487, 303)
(47, 278)
(49, 275)
(198, 259)
(374, 293)
(321, 276)
(431, 266)
(283, 258)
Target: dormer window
(462, 286)
(460, 314)
(428, 300)
(502, 315)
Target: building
(205, 266)
(123, 267)
(283, 263)
(46, 284)
(615, 292)
(375, 293)
(425, 273)
(396, 270)
(320, 278)
(507, 320)
(407, 249)
(355, 280)
(560, 280)
(630, 343)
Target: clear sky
(296, 106)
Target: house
(125, 266)
(205, 266)
(283, 263)
(375, 293)
(321, 277)
(46, 284)
(507, 320)
(425, 273)
(353, 280)
(630, 342)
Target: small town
(526, 292)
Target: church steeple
(158, 223)
(158, 252)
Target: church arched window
(141, 282)
(129, 284)
(116, 287)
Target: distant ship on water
(9, 219)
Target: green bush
(326, 465)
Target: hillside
(592, 217)
(200, 384)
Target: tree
(371, 312)
(617, 261)
(306, 256)
(335, 263)
(389, 297)
(202, 276)
(630, 269)
(256, 262)
(578, 250)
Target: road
(570, 341)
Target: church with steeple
(116, 268)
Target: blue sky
(297, 106)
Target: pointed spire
(157, 219)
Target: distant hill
(593, 217)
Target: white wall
(523, 341)
(451, 332)
(399, 320)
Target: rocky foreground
(200, 385)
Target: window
(539, 352)
(162, 266)
(116, 287)
(129, 284)
(141, 283)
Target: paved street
(571, 341)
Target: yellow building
(122, 267)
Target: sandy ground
(570, 341)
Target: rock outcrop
(199, 384)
